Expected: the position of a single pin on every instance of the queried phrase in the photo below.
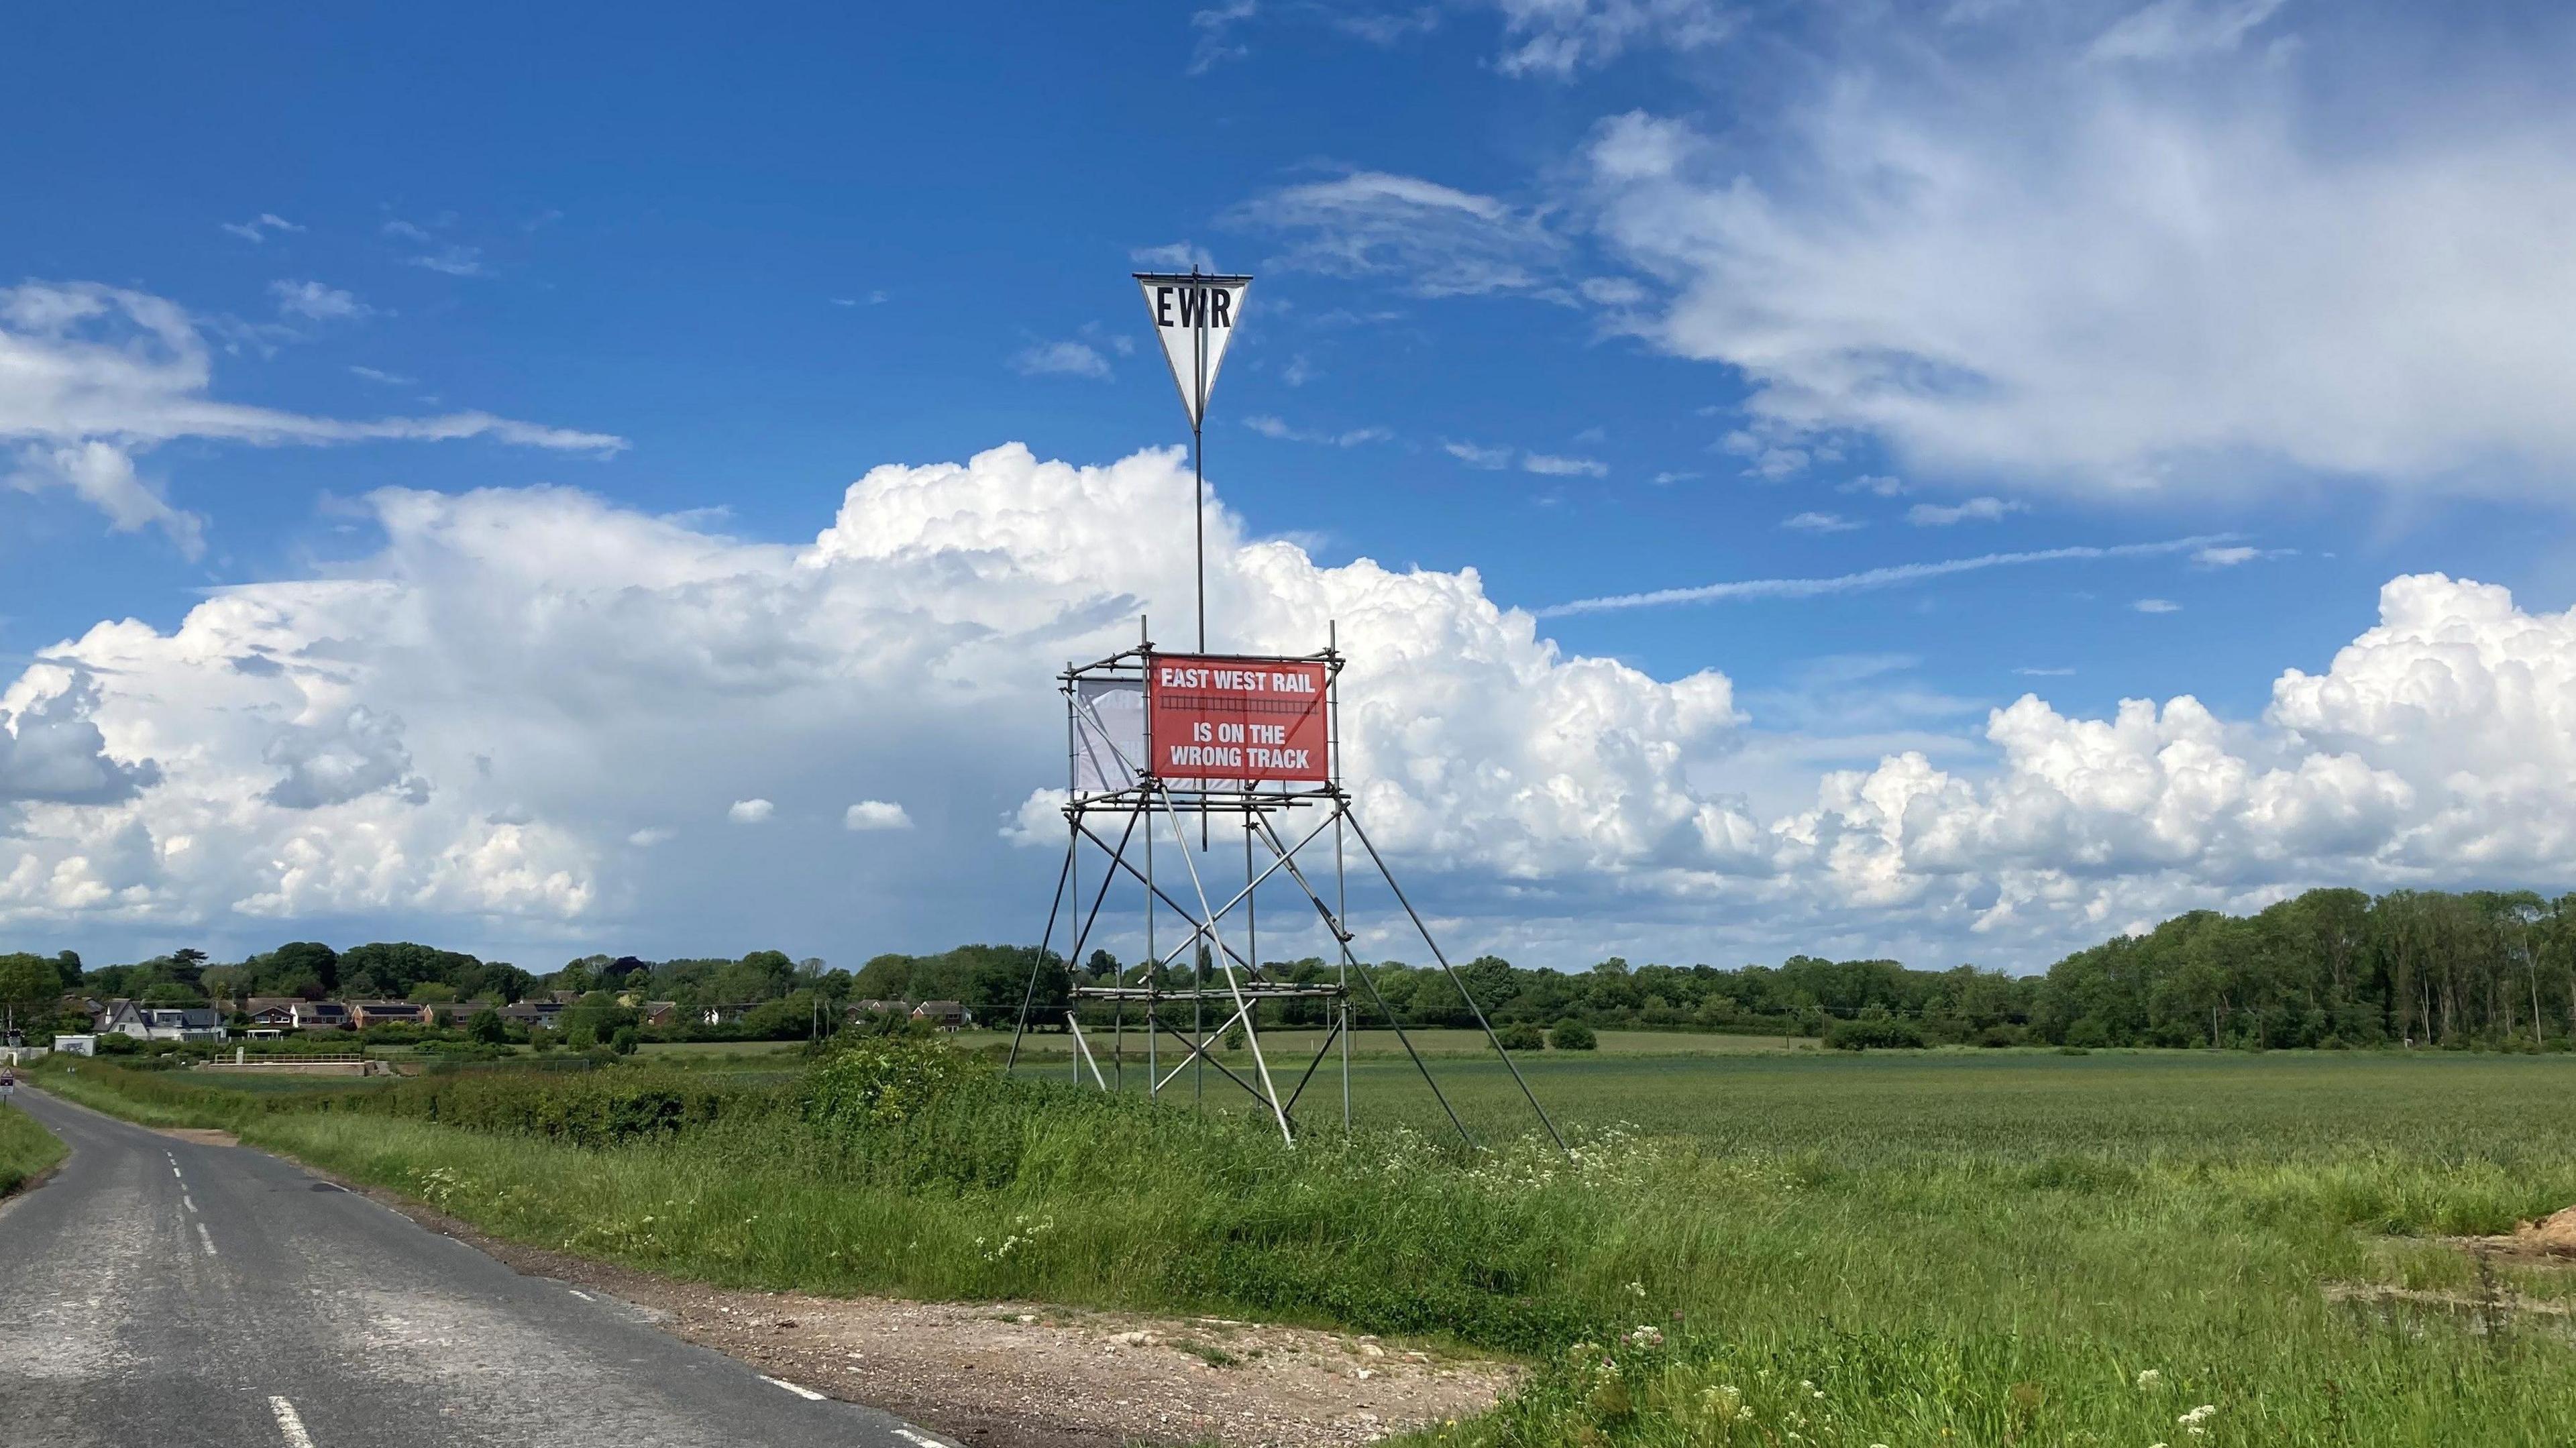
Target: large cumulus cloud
(526, 717)
(2436, 749)
(526, 709)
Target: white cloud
(1174, 256)
(389, 379)
(1664, 478)
(470, 731)
(91, 376)
(2439, 748)
(1611, 291)
(875, 814)
(1893, 575)
(1996, 257)
(2230, 557)
(543, 675)
(257, 229)
(1060, 359)
(1770, 460)
(1556, 38)
(1215, 26)
(1876, 485)
(1273, 427)
(2175, 29)
(1553, 466)
(1819, 523)
(103, 475)
(1488, 458)
(2156, 605)
(750, 811)
(317, 303)
(454, 260)
(1433, 240)
(1978, 510)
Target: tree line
(2329, 968)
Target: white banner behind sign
(1194, 318)
(1108, 735)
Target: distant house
(861, 1010)
(660, 1013)
(727, 1013)
(74, 1003)
(318, 1016)
(947, 1015)
(363, 1014)
(162, 1023)
(271, 1012)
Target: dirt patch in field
(2554, 1234)
(1025, 1375)
(2551, 1241)
(201, 1136)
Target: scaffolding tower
(1127, 819)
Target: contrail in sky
(1888, 577)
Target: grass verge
(2061, 1269)
(27, 1150)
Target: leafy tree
(624, 1040)
(1572, 1035)
(487, 1027)
(29, 987)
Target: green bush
(1572, 1035)
(1885, 1034)
(1522, 1036)
(589, 1108)
(882, 1079)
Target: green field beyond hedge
(1957, 1248)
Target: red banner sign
(1238, 720)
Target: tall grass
(1949, 1251)
(25, 1149)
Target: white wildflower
(2149, 1380)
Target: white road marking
(924, 1439)
(584, 1296)
(174, 1168)
(207, 1238)
(187, 1201)
(808, 1394)
(289, 1424)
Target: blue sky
(1595, 299)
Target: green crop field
(1997, 1247)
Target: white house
(161, 1023)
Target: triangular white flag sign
(1194, 318)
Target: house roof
(940, 1008)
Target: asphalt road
(158, 1293)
